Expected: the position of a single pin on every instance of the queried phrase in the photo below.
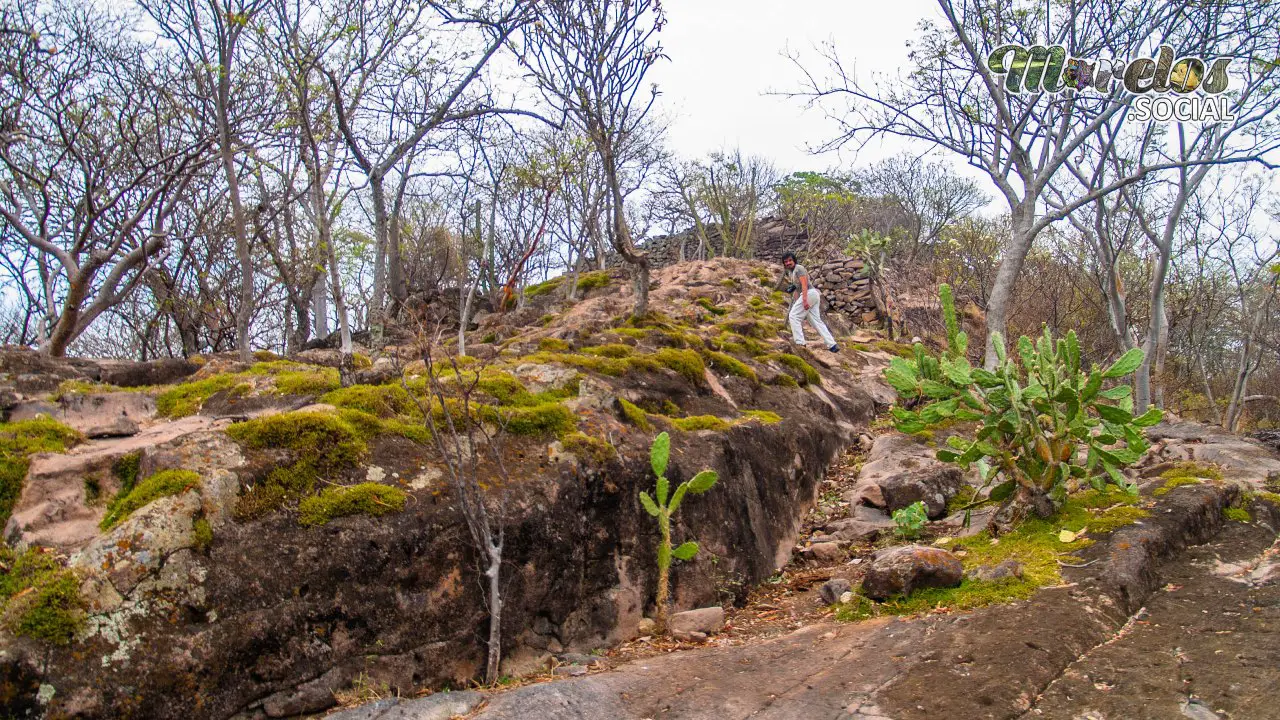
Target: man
(805, 302)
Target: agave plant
(1046, 424)
(663, 508)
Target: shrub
(1035, 416)
(20, 440)
(162, 484)
(663, 508)
(363, 499)
(909, 521)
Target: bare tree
(1021, 140)
(477, 474)
(95, 155)
(930, 195)
(590, 58)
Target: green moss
(490, 338)
(902, 350)
(320, 445)
(764, 416)
(764, 277)
(1035, 543)
(81, 387)
(731, 365)
(729, 282)
(549, 344)
(732, 342)
(39, 597)
(201, 534)
(611, 350)
(751, 328)
(162, 484)
(706, 304)
(1189, 469)
(547, 419)
(20, 440)
(700, 422)
(543, 288)
(685, 362)
(592, 280)
(589, 448)
(808, 376)
(307, 382)
(635, 415)
(360, 361)
(363, 499)
(634, 333)
(187, 398)
(1268, 497)
(1237, 514)
(265, 355)
(380, 400)
(785, 380)
(605, 366)
(1176, 482)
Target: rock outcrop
(198, 605)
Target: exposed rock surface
(933, 485)
(902, 570)
(94, 415)
(706, 620)
(270, 618)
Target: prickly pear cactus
(1046, 425)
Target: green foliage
(662, 505)
(39, 597)
(700, 422)
(808, 376)
(20, 440)
(635, 415)
(162, 484)
(1038, 416)
(909, 521)
(731, 365)
(592, 280)
(363, 499)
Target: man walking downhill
(805, 302)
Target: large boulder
(902, 570)
(934, 485)
(95, 415)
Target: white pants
(798, 314)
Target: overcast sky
(728, 55)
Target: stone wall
(843, 282)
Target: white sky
(727, 55)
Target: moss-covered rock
(807, 375)
(543, 288)
(187, 398)
(40, 598)
(363, 499)
(730, 365)
(588, 448)
(162, 484)
(20, 440)
(635, 415)
(592, 280)
(687, 363)
(380, 400)
(320, 445)
(700, 422)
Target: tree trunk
(244, 313)
(495, 613)
(64, 330)
(380, 231)
(320, 304)
(1020, 239)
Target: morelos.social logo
(1187, 89)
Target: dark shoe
(834, 348)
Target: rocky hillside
(215, 539)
